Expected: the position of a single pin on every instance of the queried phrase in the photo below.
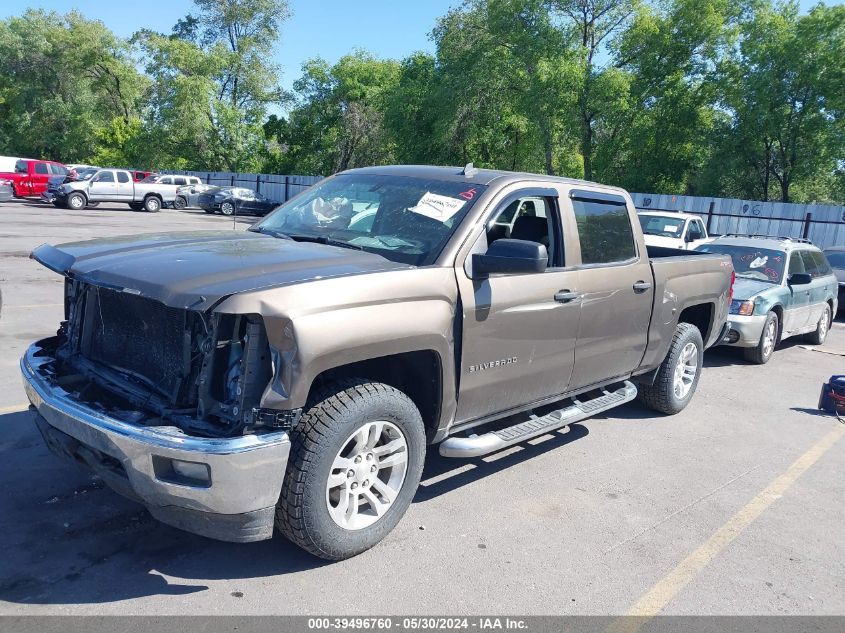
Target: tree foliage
(708, 97)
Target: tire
(325, 434)
(227, 208)
(136, 206)
(152, 204)
(76, 201)
(180, 203)
(665, 394)
(761, 353)
(93, 205)
(822, 328)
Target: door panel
(518, 342)
(103, 186)
(613, 331)
(518, 339)
(615, 315)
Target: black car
(836, 257)
(231, 200)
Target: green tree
(213, 83)
(64, 80)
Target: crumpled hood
(745, 288)
(197, 269)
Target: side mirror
(799, 279)
(506, 256)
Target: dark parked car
(836, 257)
(74, 175)
(229, 200)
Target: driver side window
(695, 231)
(533, 219)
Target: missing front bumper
(245, 473)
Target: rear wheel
(76, 201)
(355, 463)
(152, 204)
(761, 353)
(677, 376)
(822, 328)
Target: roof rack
(783, 238)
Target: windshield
(404, 219)
(662, 225)
(750, 262)
(836, 258)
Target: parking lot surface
(733, 507)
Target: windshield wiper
(322, 239)
(270, 232)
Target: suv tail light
(731, 291)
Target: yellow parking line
(37, 305)
(653, 601)
(15, 408)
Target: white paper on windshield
(670, 228)
(438, 207)
(759, 262)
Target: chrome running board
(478, 445)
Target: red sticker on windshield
(469, 194)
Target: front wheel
(818, 336)
(677, 376)
(227, 208)
(152, 204)
(76, 201)
(180, 203)
(761, 353)
(355, 463)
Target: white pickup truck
(116, 185)
(673, 230)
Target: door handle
(566, 296)
(642, 286)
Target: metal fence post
(233, 180)
(287, 189)
(257, 183)
(807, 220)
(710, 215)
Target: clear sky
(328, 28)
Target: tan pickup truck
(294, 375)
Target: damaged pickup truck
(293, 375)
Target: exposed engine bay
(150, 364)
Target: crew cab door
(38, 179)
(103, 186)
(518, 330)
(125, 188)
(616, 287)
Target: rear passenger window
(180, 181)
(822, 267)
(41, 168)
(604, 228)
(122, 176)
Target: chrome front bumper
(236, 503)
(744, 331)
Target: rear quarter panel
(681, 282)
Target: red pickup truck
(30, 176)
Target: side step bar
(478, 445)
